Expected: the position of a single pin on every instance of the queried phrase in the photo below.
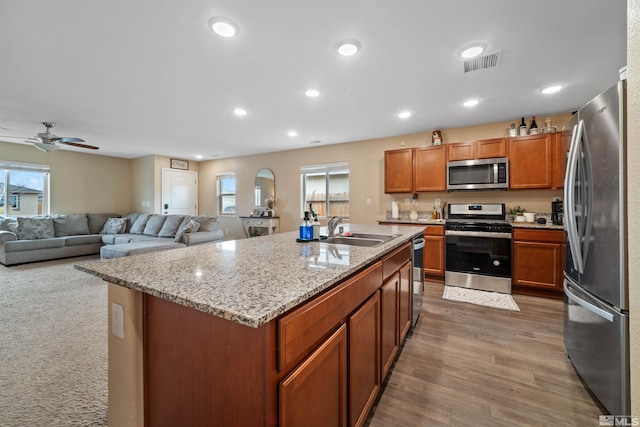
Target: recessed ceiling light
(348, 48)
(312, 93)
(240, 112)
(472, 50)
(552, 89)
(198, 156)
(404, 114)
(292, 133)
(470, 103)
(223, 27)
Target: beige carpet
(53, 345)
(474, 296)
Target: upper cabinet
(398, 171)
(415, 169)
(483, 149)
(537, 161)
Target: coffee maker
(557, 212)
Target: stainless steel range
(478, 250)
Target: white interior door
(179, 192)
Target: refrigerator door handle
(592, 308)
(569, 198)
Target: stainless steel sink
(353, 241)
(378, 236)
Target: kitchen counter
(548, 226)
(248, 281)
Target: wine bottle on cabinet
(533, 129)
(523, 128)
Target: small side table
(252, 224)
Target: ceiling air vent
(483, 62)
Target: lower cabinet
(405, 300)
(389, 322)
(364, 360)
(538, 261)
(315, 393)
(434, 249)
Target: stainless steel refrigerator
(596, 309)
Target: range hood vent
(483, 62)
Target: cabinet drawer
(434, 230)
(303, 328)
(537, 235)
(256, 222)
(392, 263)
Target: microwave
(481, 174)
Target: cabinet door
(315, 393)
(530, 161)
(537, 264)
(490, 148)
(561, 142)
(389, 322)
(461, 151)
(398, 171)
(364, 359)
(429, 169)
(433, 258)
(406, 299)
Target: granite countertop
(548, 226)
(248, 281)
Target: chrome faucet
(332, 224)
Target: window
(24, 189)
(326, 188)
(226, 187)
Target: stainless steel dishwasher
(418, 277)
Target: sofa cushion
(32, 245)
(96, 221)
(171, 225)
(154, 225)
(32, 228)
(131, 218)
(70, 225)
(8, 224)
(116, 251)
(139, 223)
(88, 239)
(128, 238)
(207, 223)
(7, 236)
(114, 226)
(187, 226)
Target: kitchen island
(263, 331)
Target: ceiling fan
(46, 141)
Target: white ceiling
(141, 77)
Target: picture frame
(179, 164)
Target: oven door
(478, 252)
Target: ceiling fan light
(47, 148)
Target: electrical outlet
(368, 201)
(407, 201)
(117, 320)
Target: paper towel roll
(394, 210)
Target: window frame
(221, 196)
(9, 206)
(326, 169)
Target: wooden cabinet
(434, 251)
(364, 360)
(538, 261)
(561, 145)
(315, 393)
(389, 322)
(530, 161)
(483, 149)
(429, 169)
(398, 171)
(405, 298)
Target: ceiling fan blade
(22, 138)
(13, 130)
(75, 144)
(67, 139)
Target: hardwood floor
(468, 365)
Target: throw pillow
(32, 228)
(139, 224)
(132, 218)
(154, 225)
(207, 223)
(171, 226)
(114, 226)
(96, 221)
(187, 226)
(70, 225)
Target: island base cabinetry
(319, 364)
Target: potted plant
(517, 213)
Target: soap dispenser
(306, 230)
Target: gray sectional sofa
(29, 239)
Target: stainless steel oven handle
(478, 234)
